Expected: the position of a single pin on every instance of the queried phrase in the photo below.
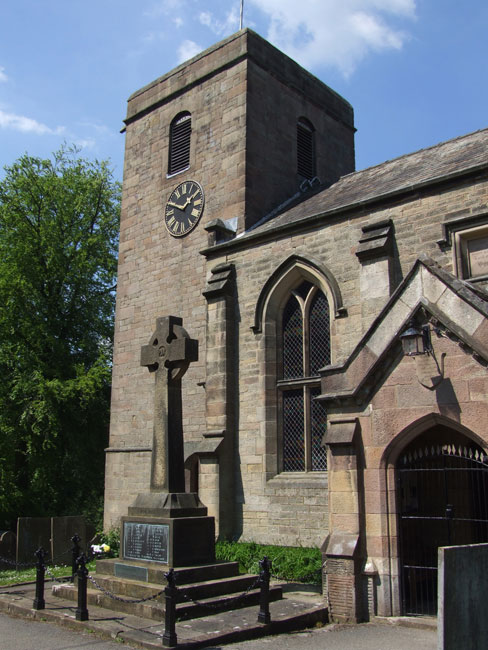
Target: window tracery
(305, 347)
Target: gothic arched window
(305, 347)
(179, 143)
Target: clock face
(184, 208)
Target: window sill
(300, 479)
(180, 171)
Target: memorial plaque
(146, 541)
(130, 571)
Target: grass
(294, 564)
(10, 576)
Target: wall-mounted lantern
(416, 340)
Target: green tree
(58, 239)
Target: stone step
(198, 590)
(215, 588)
(210, 606)
(154, 609)
(141, 571)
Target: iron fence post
(170, 591)
(75, 554)
(81, 613)
(39, 602)
(264, 574)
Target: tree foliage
(58, 239)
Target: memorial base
(174, 541)
(167, 505)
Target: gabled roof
(440, 163)
(457, 307)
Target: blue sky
(415, 71)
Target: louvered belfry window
(305, 340)
(179, 143)
(305, 149)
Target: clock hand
(175, 205)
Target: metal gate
(443, 500)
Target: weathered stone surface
(243, 152)
(53, 534)
(463, 592)
(342, 432)
(63, 529)
(341, 544)
(32, 533)
(168, 355)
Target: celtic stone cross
(168, 354)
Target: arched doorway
(442, 483)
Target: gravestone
(166, 524)
(8, 542)
(53, 534)
(62, 530)
(32, 533)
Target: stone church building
(340, 395)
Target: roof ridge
(413, 153)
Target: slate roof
(440, 162)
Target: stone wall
(231, 296)
(267, 509)
(271, 174)
(162, 275)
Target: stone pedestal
(177, 542)
(170, 528)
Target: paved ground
(368, 636)
(20, 634)
(55, 627)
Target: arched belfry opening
(442, 497)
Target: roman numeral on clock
(184, 208)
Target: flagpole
(242, 12)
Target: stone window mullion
(307, 428)
(298, 416)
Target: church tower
(341, 319)
(212, 147)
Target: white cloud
(336, 34)
(187, 50)
(205, 18)
(228, 25)
(27, 125)
(84, 143)
(3, 76)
